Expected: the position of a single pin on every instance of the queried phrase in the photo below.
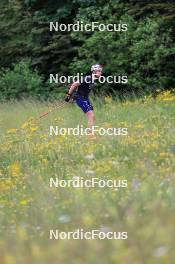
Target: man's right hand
(68, 97)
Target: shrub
(21, 81)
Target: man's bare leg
(91, 119)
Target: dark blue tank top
(86, 86)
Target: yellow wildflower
(15, 169)
(108, 99)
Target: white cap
(96, 67)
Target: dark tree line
(29, 51)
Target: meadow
(29, 208)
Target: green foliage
(20, 82)
(15, 24)
(145, 53)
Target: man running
(83, 90)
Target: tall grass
(145, 158)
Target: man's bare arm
(73, 87)
(71, 90)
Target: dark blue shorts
(84, 104)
